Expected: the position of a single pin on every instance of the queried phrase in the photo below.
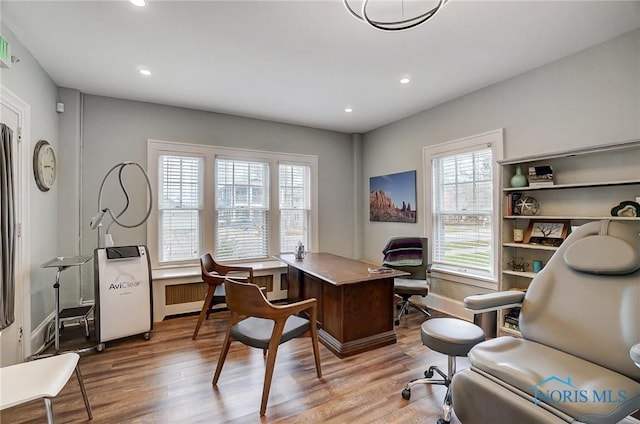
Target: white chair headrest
(602, 254)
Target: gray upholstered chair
(579, 321)
(266, 326)
(409, 254)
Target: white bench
(42, 378)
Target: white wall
(586, 99)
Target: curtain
(7, 230)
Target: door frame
(22, 265)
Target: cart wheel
(406, 394)
(147, 336)
(100, 347)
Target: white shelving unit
(588, 183)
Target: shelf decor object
(626, 209)
(518, 179)
(518, 264)
(547, 232)
(540, 176)
(527, 206)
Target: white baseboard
(39, 333)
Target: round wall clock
(45, 166)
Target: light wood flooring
(167, 379)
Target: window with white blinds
(242, 209)
(462, 210)
(295, 205)
(179, 207)
(463, 221)
(236, 204)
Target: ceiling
(303, 62)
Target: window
(239, 205)
(462, 223)
(242, 209)
(295, 205)
(179, 207)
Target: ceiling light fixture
(138, 3)
(405, 81)
(388, 25)
(348, 110)
(145, 72)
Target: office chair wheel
(406, 394)
(397, 322)
(442, 421)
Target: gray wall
(31, 83)
(586, 99)
(583, 100)
(117, 130)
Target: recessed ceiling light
(145, 72)
(348, 110)
(404, 81)
(138, 3)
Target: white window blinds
(180, 207)
(462, 210)
(242, 209)
(295, 205)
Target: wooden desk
(355, 307)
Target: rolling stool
(452, 337)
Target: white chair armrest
(493, 301)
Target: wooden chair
(42, 378)
(266, 327)
(213, 274)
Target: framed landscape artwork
(392, 198)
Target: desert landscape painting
(392, 198)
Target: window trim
(155, 148)
(494, 139)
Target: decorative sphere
(527, 206)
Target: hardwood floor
(167, 379)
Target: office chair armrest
(635, 354)
(493, 301)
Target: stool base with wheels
(452, 337)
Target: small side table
(82, 312)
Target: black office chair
(409, 254)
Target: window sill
(170, 273)
(464, 278)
